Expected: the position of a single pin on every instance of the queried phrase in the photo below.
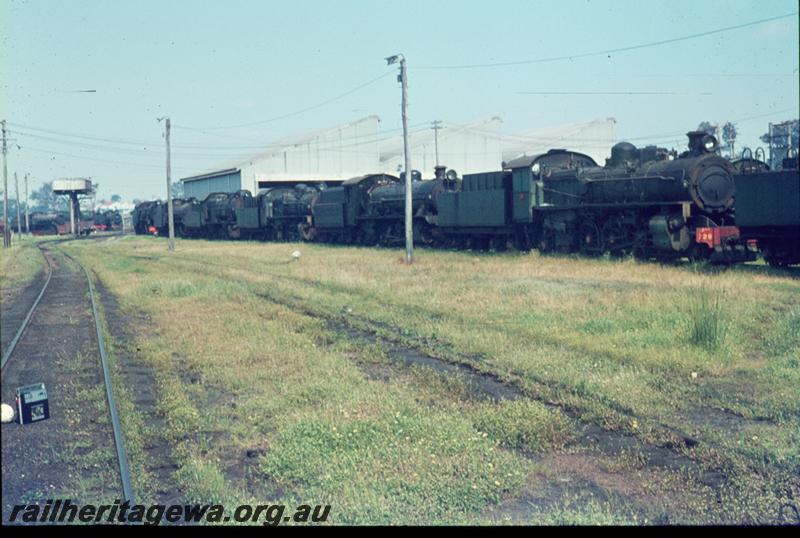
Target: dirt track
(71, 455)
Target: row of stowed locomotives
(648, 202)
(642, 202)
(273, 214)
(58, 223)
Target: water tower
(73, 187)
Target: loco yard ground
(49, 335)
(466, 388)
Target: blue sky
(210, 64)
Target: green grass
(19, 265)
(708, 323)
(526, 425)
(653, 351)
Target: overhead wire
(606, 51)
(108, 161)
(289, 114)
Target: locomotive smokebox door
(32, 404)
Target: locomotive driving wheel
(547, 242)
(616, 238)
(422, 233)
(591, 239)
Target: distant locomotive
(49, 222)
(370, 209)
(147, 216)
(107, 220)
(338, 212)
(56, 223)
(275, 214)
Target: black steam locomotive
(646, 202)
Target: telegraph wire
(290, 114)
(120, 163)
(608, 51)
(85, 137)
(158, 147)
(618, 93)
(334, 145)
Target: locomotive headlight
(535, 169)
(709, 143)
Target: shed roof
(209, 175)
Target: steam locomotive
(643, 202)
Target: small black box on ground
(32, 404)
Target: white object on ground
(296, 255)
(7, 413)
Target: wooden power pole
(6, 230)
(27, 218)
(408, 190)
(19, 220)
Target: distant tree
(12, 209)
(729, 137)
(708, 127)
(116, 198)
(177, 189)
(43, 199)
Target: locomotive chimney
(701, 142)
(439, 171)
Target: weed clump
(708, 323)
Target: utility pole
(73, 205)
(27, 218)
(403, 78)
(437, 124)
(170, 217)
(6, 231)
(19, 220)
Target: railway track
(13, 344)
(8, 353)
